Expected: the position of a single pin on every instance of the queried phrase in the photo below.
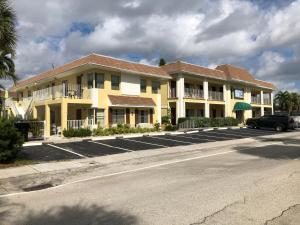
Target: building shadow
(77, 215)
(279, 152)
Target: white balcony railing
(73, 91)
(255, 99)
(193, 93)
(216, 95)
(267, 101)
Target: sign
(239, 93)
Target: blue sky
(260, 35)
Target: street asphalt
(240, 184)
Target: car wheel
(251, 125)
(279, 128)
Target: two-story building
(226, 91)
(97, 90)
(92, 91)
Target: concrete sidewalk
(105, 160)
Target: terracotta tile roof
(240, 74)
(101, 60)
(131, 101)
(179, 66)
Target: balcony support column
(34, 112)
(180, 104)
(272, 102)
(262, 109)
(64, 115)
(205, 94)
(226, 98)
(47, 129)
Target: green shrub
(166, 119)
(211, 122)
(123, 129)
(82, 132)
(10, 141)
(170, 127)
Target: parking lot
(89, 148)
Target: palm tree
(284, 100)
(295, 100)
(8, 40)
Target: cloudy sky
(260, 35)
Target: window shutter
(151, 116)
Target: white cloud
(209, 32)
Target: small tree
(10, 140)
(162, 62)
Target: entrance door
(78, 114)
(173, 116)
(52, 122)
(240, 115)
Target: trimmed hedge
(123, 129)
(11, 140)
(82, 132)
(211, 122)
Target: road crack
(281, 214)
(204, 220)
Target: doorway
(173, 116)
(240, 115)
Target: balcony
(215, 96)
(267, 101)
(255, 99)
(71, 91)
(172, 93)
(193, 93)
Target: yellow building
(196, 91)
(92, 91)
(97, 90)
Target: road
(230, 185)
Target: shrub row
(211, 122)
(120, 129)
(123, 129)
(82, 132)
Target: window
(65, 88)
(118, 116)
(143, 85)
(189, 112)
(143, 116)
(115, 82)
(155, 87)
(99, 80)
(29, 93)
(90, 80)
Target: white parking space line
(230, 134)
(163, 146)
(66, 150)
(257, 132)
(193, 138)
(99, 143)
(168, 139)
(210, 136)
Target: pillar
(180, 104)
(272, 102)
(205, 94)
(47, 121)
(262, 109)
(64, 115)
(226, 97)
(34, 112)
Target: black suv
(278, 122)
